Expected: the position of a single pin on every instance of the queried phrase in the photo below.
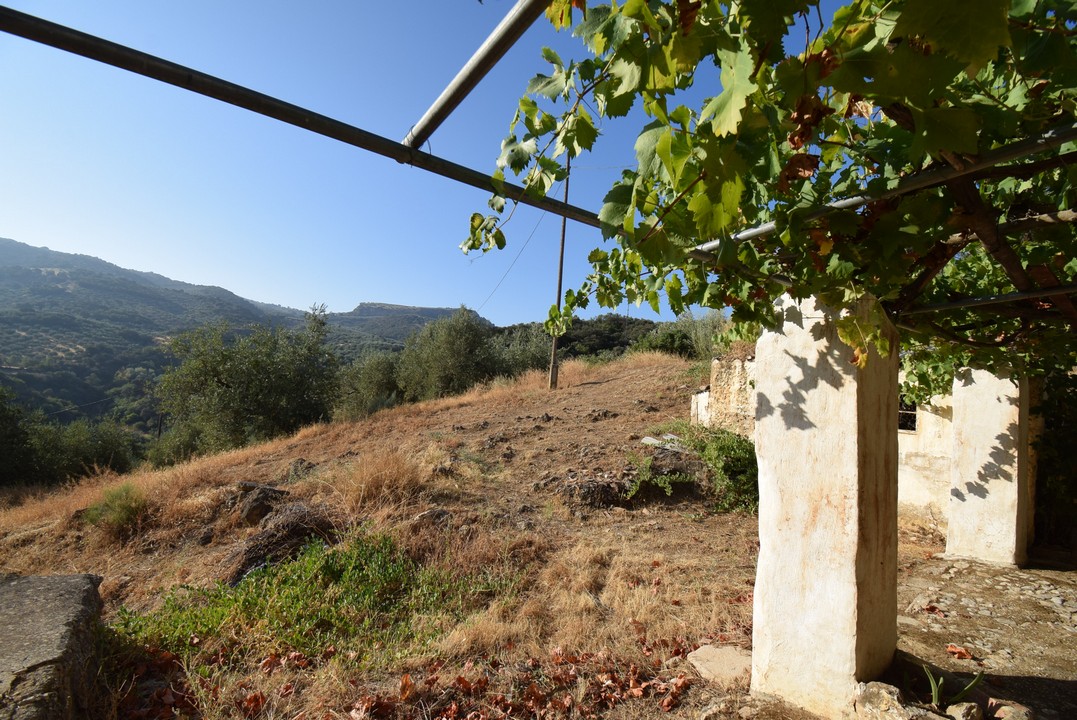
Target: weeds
(938, 700)
(120, 512)
(365, 598)
(647, 479)
(730, 460)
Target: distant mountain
(69, 323)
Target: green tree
(367, 385)
(79, 448)
(231, 389)
(945, 128)
(447, 357)
(520, 348)
(17, 467)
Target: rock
(723, 664)
(1005, 710)
(283, 535)
(438, 517)
(48, 655)
(258, 501)
(715, 710)
(299, 469)
(879, 701)
(965, 711)
(747, 712)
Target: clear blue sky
(99, 161)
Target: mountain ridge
(69, 323)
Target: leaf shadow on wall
(998, 468)
(828, 366)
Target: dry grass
(380, 483)
(632, 585)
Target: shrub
(521, 348)
(120, 512)
(366, 386)
(17, 467)
(447, 357)
(647, 480)
(733, 480)
(230, 390)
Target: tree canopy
(229, 390)
(913, 150)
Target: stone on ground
(48, 660)
(721, 664)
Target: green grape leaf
(971, 31)
(737, 85)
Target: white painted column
(992, 476)
(826, 584)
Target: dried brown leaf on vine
(686, 13)
(799, 167)
(807, 115)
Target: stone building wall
(924, 454)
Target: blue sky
(99, 161)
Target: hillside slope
(69, 323)
(582, 604)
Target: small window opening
(906, 414)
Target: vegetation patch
(364, 600)
(733, 475)
(120, 512)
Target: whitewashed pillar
(826, 583)
(992, 475)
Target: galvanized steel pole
(504, 36)
(110, 53)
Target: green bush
(366, 386)
(447, 357)
(693, 338)
(647, 480)
(667, 338)
(521, 348)
(120, 512)
(230, 390)
(17, 467)
(733, 481)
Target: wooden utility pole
(560, 275)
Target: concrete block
(48, 660)
(825, 613)
(992, 476)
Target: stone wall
(923, 454)
(924, 457)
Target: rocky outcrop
(284, 533)
(48, 659)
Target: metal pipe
(140, 63)
(504, 36)
(993, 300)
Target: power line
(513, 263)
(77, 407)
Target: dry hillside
(586, 608)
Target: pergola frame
(959, 176)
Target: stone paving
(1018, 625)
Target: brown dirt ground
(647, 579)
